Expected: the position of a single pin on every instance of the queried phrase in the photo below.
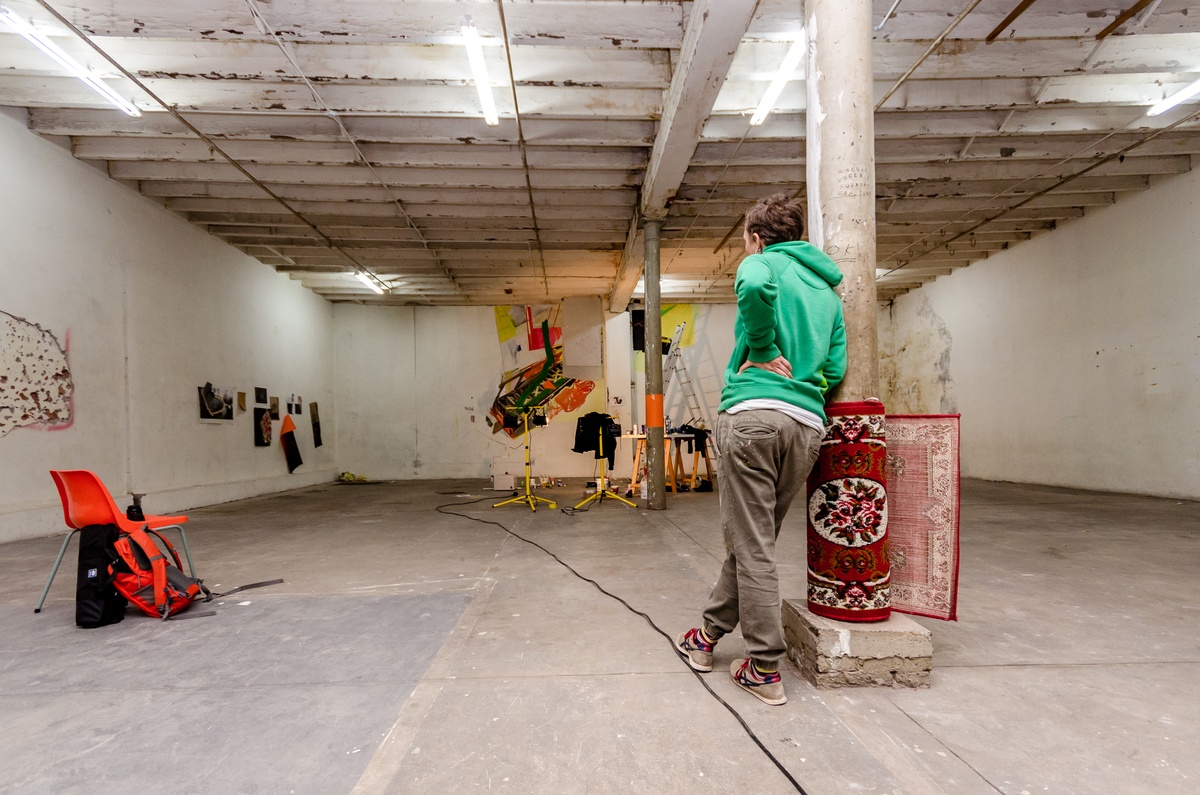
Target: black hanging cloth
(588, 430)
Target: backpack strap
(167, 544)
(240, 588)
(209, 596)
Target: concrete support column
(841, 172)
(851, 467)
(655, 433)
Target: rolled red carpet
(849, 576)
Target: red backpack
(144, 576)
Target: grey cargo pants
(765, 460)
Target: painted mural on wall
(526, 378)
(673, 315)
(35, 378)
(914, 362)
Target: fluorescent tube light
(479, 71)
(1180, 96)
(786, 69)
(373, 283)
(39, 40)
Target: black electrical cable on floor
(787, 774)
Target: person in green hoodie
(789, 351)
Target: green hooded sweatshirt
(787, 307)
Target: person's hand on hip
(778, 365)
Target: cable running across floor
(750, 732)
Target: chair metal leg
(187, 553)
(54, 571)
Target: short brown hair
(776, 219)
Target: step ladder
(674, 364)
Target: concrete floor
(414, 652)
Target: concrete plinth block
(893, 653)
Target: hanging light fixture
(479, 71)
(1177, 98)
(372, 281)
(43, 43)
(786, 70)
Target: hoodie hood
(811, 257)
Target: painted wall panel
(1075, 357)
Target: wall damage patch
(914, 363)
(35, 379)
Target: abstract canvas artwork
(291, 447)
(527, 380)
(262, 427)
(316, 424)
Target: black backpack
(97, 602)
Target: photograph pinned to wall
(262, 427)
(316, 424)
(216, 403)
(274, 407)
(260, 395)
(241, 401)
(294, 405)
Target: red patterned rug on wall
(923, 513)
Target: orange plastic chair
(86, 501)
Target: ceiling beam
(455, 101)
(571, 23)
(715, 29)
(378, 128)
(457, 155)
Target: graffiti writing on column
(35, 379)
(854, 181)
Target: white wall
(153, 308)
(1074, 358)
(414, 385)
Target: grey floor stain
(284, 694)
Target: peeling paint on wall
(914, 362)
(35, 380)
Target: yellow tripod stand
(528, 498)
(602, 489)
